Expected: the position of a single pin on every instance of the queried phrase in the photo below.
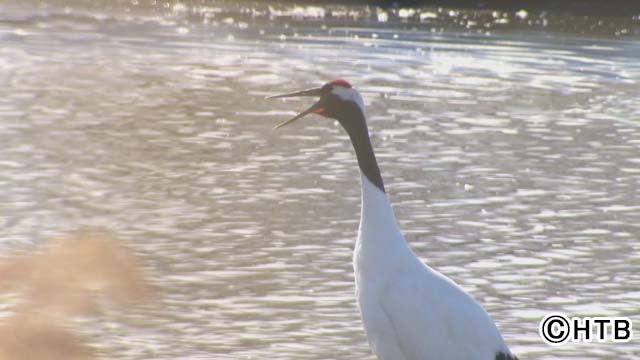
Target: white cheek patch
(348, 94)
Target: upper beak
(314, 108)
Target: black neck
(356, 126)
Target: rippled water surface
(512, 158)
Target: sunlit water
(512, 158)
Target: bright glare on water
(509, 144)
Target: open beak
(315, 108)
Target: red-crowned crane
(409, 310)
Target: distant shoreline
(573, 7)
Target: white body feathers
(410, 311)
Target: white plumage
(410, 311)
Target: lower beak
(315, 108)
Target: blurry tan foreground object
(64, 279)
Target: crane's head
(338, 100)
